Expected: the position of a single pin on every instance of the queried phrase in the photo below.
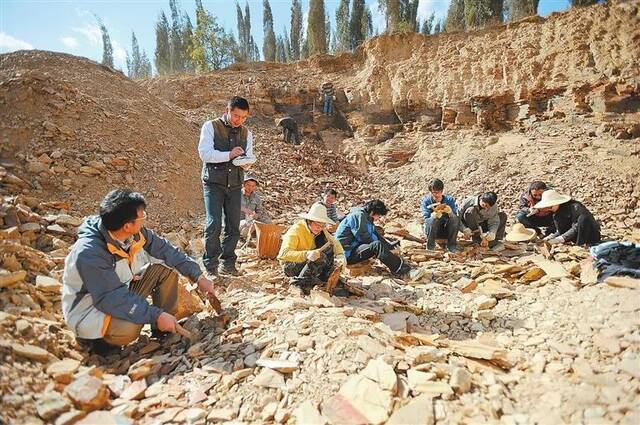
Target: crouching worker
(251, 208)
(480, 214)
(113, 267)
(309, 251)
(361, 241)
(573, 221)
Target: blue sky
(70, 26)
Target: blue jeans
(327, 108)
(535, 222)
(217, 199)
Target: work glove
(340, 261)
(467, 232)
(489, 236)
(557, 240)
(551, 236)
(532, 211)
(312, 255)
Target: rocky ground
(520, 334)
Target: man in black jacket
(573, 221)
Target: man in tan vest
(226, 150)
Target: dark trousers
(291, 135)
(536, 222)
(382, 251)
(310, 273)
(588, 231)
(472, 221)
(444, 227)
(218, 200)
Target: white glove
(340, 261)
(490, 236)
(549, 237)
(312, 255)
(532, 211)
(557, 240)
(467, 232)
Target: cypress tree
(163, 51)
(455, 16)
(269, 43)
(518, 9)
(343, 30)
(355, 26)
(296, 29)
(107, 48)
(316, 30)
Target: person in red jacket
(532, 217)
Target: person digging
(309, 253)
(111, 270)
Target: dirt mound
(83, 129)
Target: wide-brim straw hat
(519, 233)
(317, 212)
(551, 198)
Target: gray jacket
(471, 205)
(98, 272)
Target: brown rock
(63, 370)
(419, 411)
(88, 393)
(70, 418)
(31, 352)
(52, 405)
(135, 390)
(102, 417)
(8, 279)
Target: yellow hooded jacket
(299, 239)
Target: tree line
(182, 47)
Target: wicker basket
(269, 237)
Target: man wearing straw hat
(309, 251)
(573, 221)
(113, 267)
(251, 208)
(532, 217)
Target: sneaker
(431, 245)
(228, 269)
(213, 271)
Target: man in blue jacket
(357, 235)
(113, 267)
(440, 216)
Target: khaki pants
(161, 283)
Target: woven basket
(269, 239)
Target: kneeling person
(573, 221)
(308, 250)
(114, 266)
(480, 214)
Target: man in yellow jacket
(309, 251)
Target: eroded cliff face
(582, 61)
